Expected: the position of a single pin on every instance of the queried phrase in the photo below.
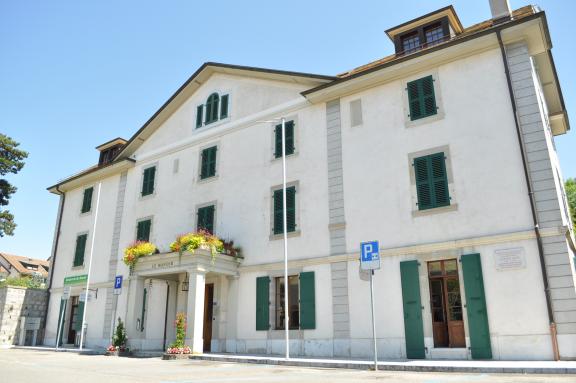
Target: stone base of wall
(18, 302)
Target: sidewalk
(474, 366)
(85, 351)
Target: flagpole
(90, 267)
(285, 225)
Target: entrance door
(208, 313)
(73, 319)
(446, 304)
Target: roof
(466, 32)
(21, 264)
(430, 17)
(108, 144)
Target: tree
(570, 186)
(11, 161)
(119, 339)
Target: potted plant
(178, 350)
(201, 239)
(118, 346)
(136, 250)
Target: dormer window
(216, 108)
(426, 31)
(109, 150)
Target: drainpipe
(54, 252)
(553, 332)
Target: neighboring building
(443, 151)
(17, 266)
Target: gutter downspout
(553, 332)
(53, 259)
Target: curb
(388, 366)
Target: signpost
(370, 260)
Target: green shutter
(61, 319)
(289, 127)
(143, 310)
(212, 108)
(290, 210)
(413, 327)
(262, 303)
(199, 112)
(78, 316)
(87, 201)
(224, 106)
(206, 218)
(431, 181)
(476, 307)
(148, 181)
(143, 230)
(208, 162)
(307, 301)
(421, 98)
(80, 250)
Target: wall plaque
(510, 259)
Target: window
(434, 34)
(80, 249)
(411, 42)
(289, 128)
(148, 181)
(301, 302)
(216, 108)
(208, 162)
(421, 98)
(87, 200)
(293, 306)
(205, 218)
(278, 225)
(431, 181)
(143, 230)
(212, 108)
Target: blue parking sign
(118, 282)
(369, 255)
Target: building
(16, 266)
(443, 151)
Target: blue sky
(75, 74)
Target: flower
(111, 348)
(136, 250)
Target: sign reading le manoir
(75, 279)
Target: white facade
(353, 183)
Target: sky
(75, 74)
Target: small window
(356, 113)
(208, 163)
(143, 230)
(411, 42)
(278, 226)
(87, 200)
(293, 306)
(289, 130)
(431, 181)
(421, 98)
(80, 250)
(205, 220)
(199, 115)
(434, 35)
(212, 108)
(148, 181)
(224, 106)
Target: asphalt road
(17, 365)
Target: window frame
(140, 220)
(440, 113)
(87, 212)
(297, 229)
(279, 306)
(78, 235)
(453, 206)
(420, 31)
(213, 204)
(154, 189)
(216, 160)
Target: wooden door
(208, 313)
(446, 304)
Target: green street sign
(75, 279)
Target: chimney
(500, 9)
